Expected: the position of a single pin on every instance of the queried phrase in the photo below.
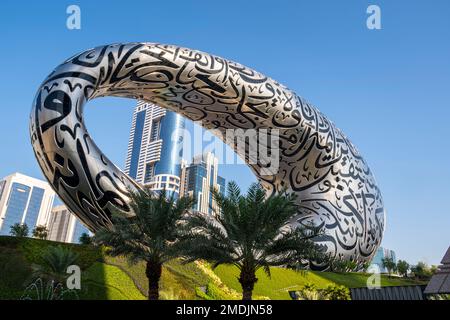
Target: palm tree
(389, 264)
(149, 235)
(54, 264)
(249, 231)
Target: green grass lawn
(106, 282)
(178, 281)
(358, 280)
(276, 287)
(284, 280)
(117, 280)
(111, 278)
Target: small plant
(40, 232)
(19, 230)
(310, 292)
(38, 290)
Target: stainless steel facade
(335, 187)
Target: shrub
(332, 292)
(34, 250)
(9, 241)
(14, 273)
(310, 292)
(336, 292)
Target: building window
(149, 172)
(2, 187)
(154, 134)
(34, 206)
(137, 139)
(17, 203)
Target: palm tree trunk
(247, 279)
(153, 272)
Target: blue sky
(388, 89)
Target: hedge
(9, 242)
(14, 273)
(33, 249)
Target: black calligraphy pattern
(335, 187)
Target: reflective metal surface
(335, 186)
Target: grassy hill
(105, 277)
(284, 280)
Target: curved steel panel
(335, 186)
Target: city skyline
(156, 159)
(378, 99)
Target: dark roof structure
(440, 281)
(388, 293)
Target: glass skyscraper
(155, 147)
(199, 179)
(25, 200)
(381, 254)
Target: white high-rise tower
(154, 156)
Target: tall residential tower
(199, 179)
(155, 148)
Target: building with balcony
(155, 147)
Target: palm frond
(149, 234)
(249, 230)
